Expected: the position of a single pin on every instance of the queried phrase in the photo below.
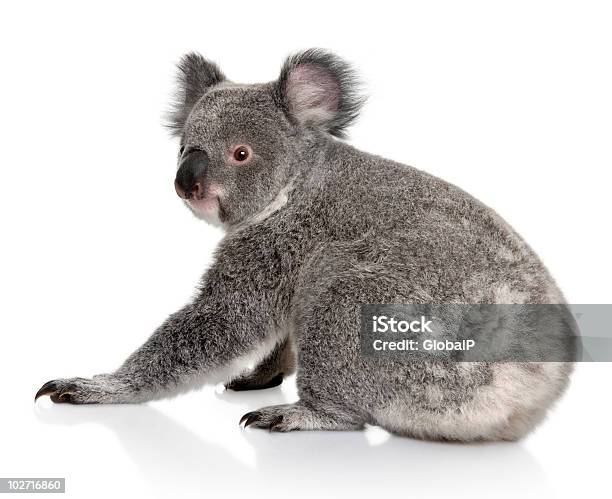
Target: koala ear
(318, 88)
(194, 77)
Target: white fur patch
(207, 209)
(276, 204)
(209, 216)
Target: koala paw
(299, 416)
(254, 382)
(100, 389)
(269, 418)
(61, 391)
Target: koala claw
(259, 420)
(58, 392)
(249, 418)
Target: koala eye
(241, 154)
(181, 150)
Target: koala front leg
(204, 341)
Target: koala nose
(189, 182)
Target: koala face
(242, 144)
(236, 153)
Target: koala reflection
(314, 228)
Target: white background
(512, 101)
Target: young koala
(315, 228)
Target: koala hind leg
(300, 416)
(270, 372)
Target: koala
(313, 229)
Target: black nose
(191, 174)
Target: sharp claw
(244, 418)
(47, 389)
(250, 418)
(253, 418)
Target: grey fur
(195, 76)
(315, 228)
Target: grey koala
(314, 228)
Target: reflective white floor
(191, 446)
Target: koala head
(242, 144)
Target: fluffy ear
(318, 88)
(194, 77)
